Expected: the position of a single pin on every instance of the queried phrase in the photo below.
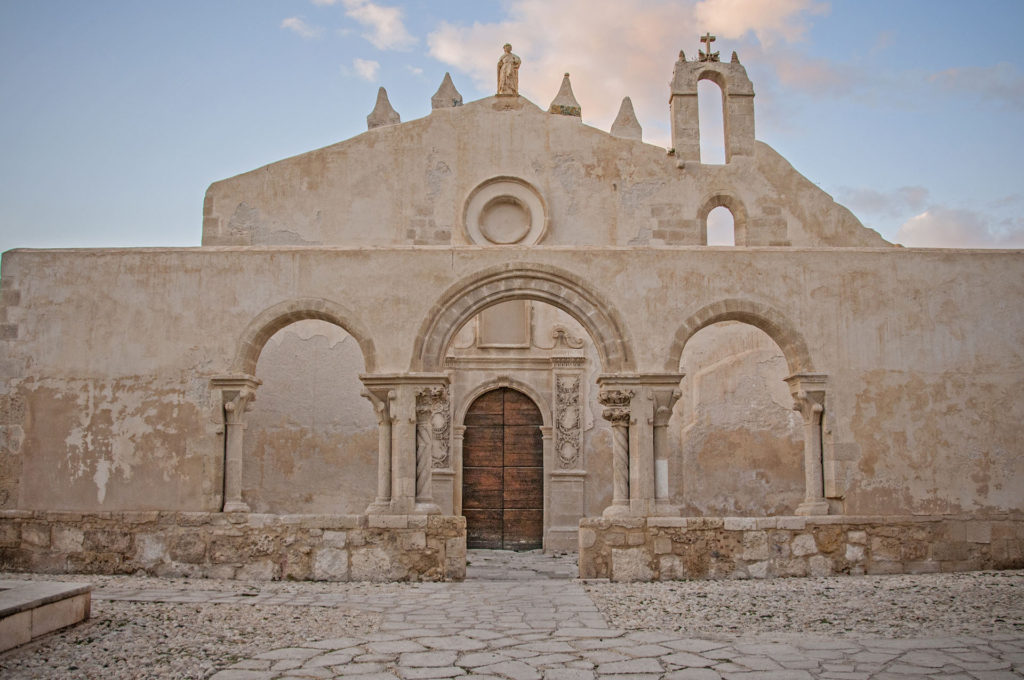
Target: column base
(426, 508)
(665, 509)
(236, 506)
(815, 507)
(379, 507)
(613, 510)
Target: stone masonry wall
(236, 545)
(671, 548)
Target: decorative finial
(709, 55)
(682, 56)
(446, 96)
(382, 113)
(626, 125)
(735, 58)
(564, 103)
(508, 73)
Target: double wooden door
(503, 472)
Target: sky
(117, 115)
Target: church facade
(498, 327)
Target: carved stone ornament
(433, 418)
(617, 405)
(567, 421)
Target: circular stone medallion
(505, 211)
(504, 220)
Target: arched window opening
(721, 227)
(711, 122)
(739, 440)
(311, 438)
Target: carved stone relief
(433, 426)
(567, 421)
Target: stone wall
(236, 545)
(670, 548)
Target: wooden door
(503, 472)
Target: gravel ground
(930, 605)
(141, 640)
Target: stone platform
(29, 609)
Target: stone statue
(508, 72)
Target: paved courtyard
(522, 616)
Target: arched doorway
(503, 472)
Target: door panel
(503, 472)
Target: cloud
(298, 26)
(366, 69)
(769, 21)
(1001, 82)
(611, 53)
(896, 203)
(387, 31)
(941, 227)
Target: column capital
(808, 390)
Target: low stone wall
(670, 548)
(236, 545)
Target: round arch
(762, 316)
(734, 205)
(467, 298)
(497, 383)
(273, 319)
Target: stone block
(758, 569)
(667, 522)
(388, 521)
(978, 532)
(819, 565)
(67, 539)
(671, 568)
(261, 570)
(415, 540)
(330, 564)
(635, 538)
(791, 567)
(420, 522)
(587, 538)
(857, 537)
(922, 567)
(885, 549)
(662, 545)
(8, 534)
(803, 545)
(189, 548)
(15, 629)
(374, 564)
(59, 614)
(336, 539)
(755, 546)
(35, 534)
(885, 568)
(631, 564)
(739, 523)
(615, 538)
(854, 553)
(791, 523)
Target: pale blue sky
(116, 116)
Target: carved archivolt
(567, 421)
(433, 425)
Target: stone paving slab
(545, 627)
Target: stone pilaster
(237, 394)
(808, 390)
(381, 399)
(664, 400)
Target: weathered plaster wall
(409, 183)
(740, 443)
(311, 438)
(922, 350)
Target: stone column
(410, 478)
(664, 400)
(381, 401)
(433, 443)
(617, 412)
(237, 394)
(808, 390)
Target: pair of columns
(639, 408)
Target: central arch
(462, 301)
